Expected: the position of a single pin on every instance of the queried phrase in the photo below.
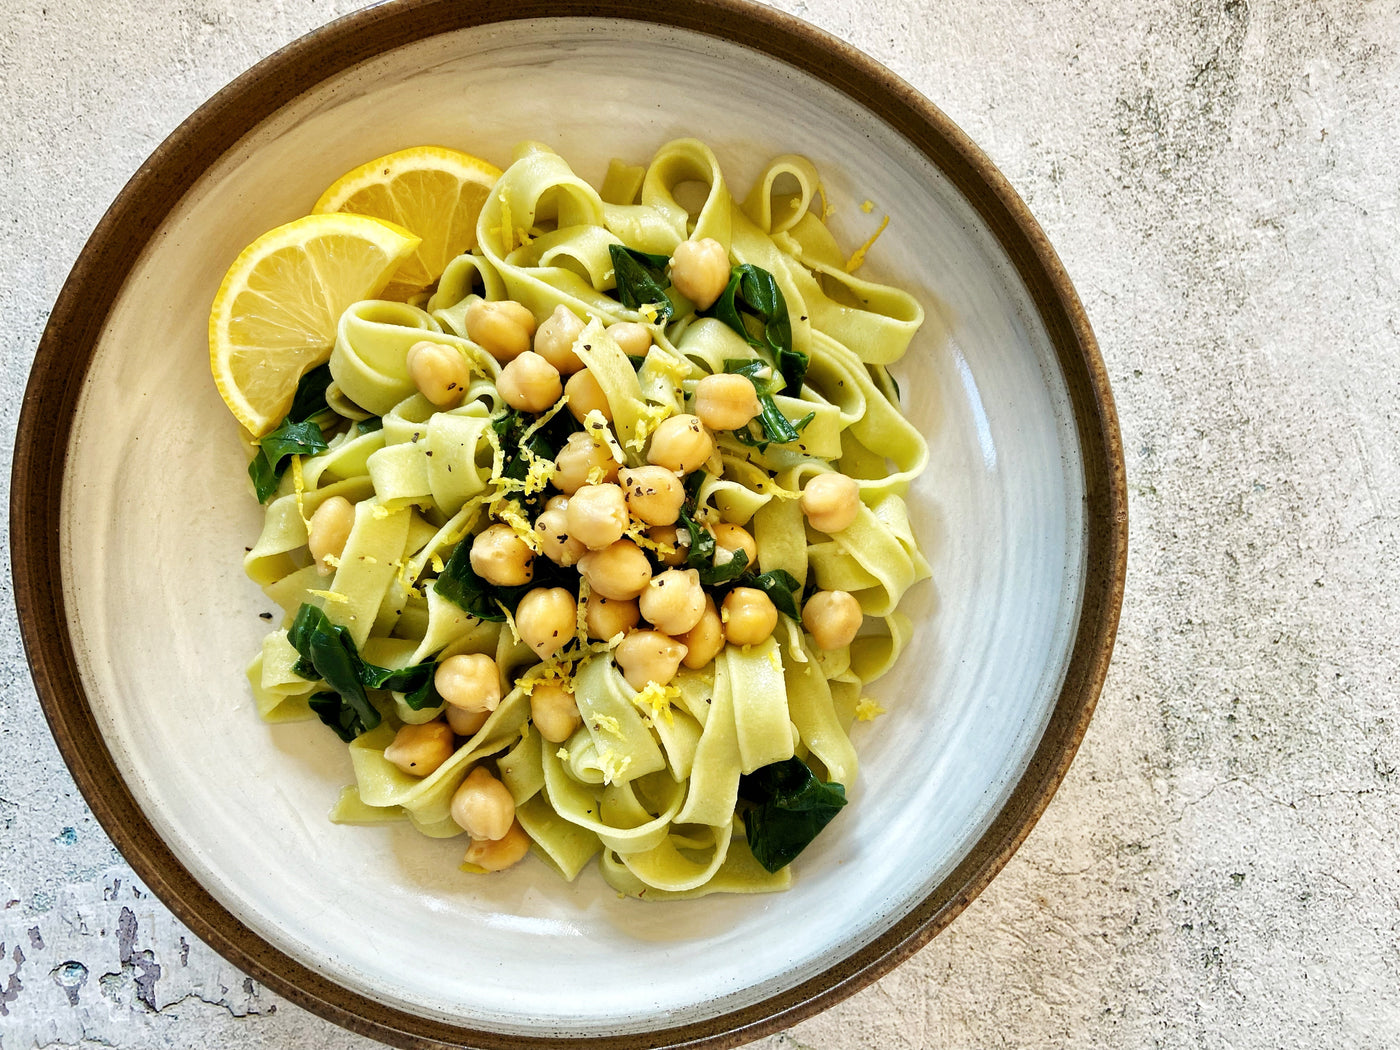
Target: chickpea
(545, 619)
(678, 540)
(554, 712)
(634, 339)
(648, 656)
(674, 601)
(597, 516)
(585, 395)
(608, 617)
(620, 571)
(499, 854)
(831, 502)
(554, 340)
(577, 459)
(501, 557)
(700, 270)
(734, 538)
(328, 531)
(552, 533)
(464, 722)
(680, 443)
(832, 618)
(654, 494)
(530, 383)
(439, 371)
(482, 806)
(419, 750)
(705, 640)
(471, 681)
(749, 616)
(503, 329)
(725, 402)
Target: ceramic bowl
(130, 516)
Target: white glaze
(163, 620)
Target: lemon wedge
(276, 312)
(434, 191)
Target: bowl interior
(156, 513)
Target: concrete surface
(1219, 869)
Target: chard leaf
(790, 808)
(641, 280)
(753, 292)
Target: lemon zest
(648, 419)
(611, 767)
(867, 710)
(510, 622)
(596, 424)
(330, 596)
(857, 259)
(608, 724)
(656, 699)
(299, 484)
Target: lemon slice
(275, 314)
(434, 191)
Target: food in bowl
(585, 506)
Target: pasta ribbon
(656, 783)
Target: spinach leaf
(336, 713)
(297, 435)
(790, 808)
(328, 652)
(700, 555)
(416, 682)
(544, 443)
(310, 398)
(753, 292)
(459, 584)
(781, 587)
(370, 425)
(641, 280)
(776, 427)
(730, 570)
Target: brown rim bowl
(59, 634)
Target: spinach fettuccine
(591, 545)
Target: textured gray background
(1220, 868)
